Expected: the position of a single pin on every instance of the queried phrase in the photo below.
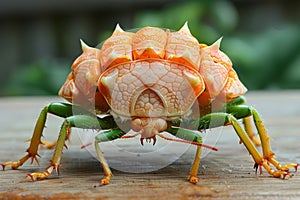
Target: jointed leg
(79, 121)
(246, 120)
(59, 109)
(193, 138)
(241, 111)
(261, 161)
(266, 147)
(268, 154)
(250, 132)
(75, 117)
(194, 171)
(101, 137)
(55, 161)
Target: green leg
(246, 121)
(242, 111)
(55, 161)
(249, 130)
(230, 118)
(59, 109)
(108, 135)
(194, 138)
(79, 121)
(266, 147)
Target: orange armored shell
(150, 73)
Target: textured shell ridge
(168, 86)
(169, 69)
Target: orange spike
(214, 74)
(118, 30)
(117, 49)
(86, 70)
(183, 48)
(217, 55)
(185, 29)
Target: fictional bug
(151, 81)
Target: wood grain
(227, 173)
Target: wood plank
(227, 173)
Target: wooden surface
(227, 173)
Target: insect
(151, 82)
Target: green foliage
(264, 59)
(207, 19)
(39, 78)
(268, 58)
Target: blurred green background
(40, 39)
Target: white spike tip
(218, 42)
(84, 46)
(185, 28)
(118, 30)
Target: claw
(154, 140)
(286, 174)
(15, 165)
(283, 171)
(31, 177)
(260, 170)
(38, 176)
(256, 166)
(148, 140)
(296, 167)
(33, 158)
(66, 146)
(193, 179)
(43, 175)
(105, 181)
